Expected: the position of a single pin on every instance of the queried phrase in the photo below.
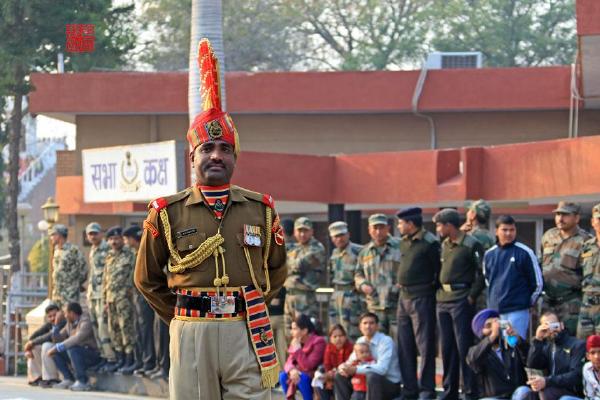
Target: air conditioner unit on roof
(450, 60)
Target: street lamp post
(50, 209)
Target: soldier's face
(596, 225)
(116, 242)
(406, 227)
(566, 222)
(94, 238)
(340, 241)
(379, 233)
(506, 233)
(213, 163)
(303, 235)
(443, 230)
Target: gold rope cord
(195, 258)
(249, 261)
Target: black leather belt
(203, 303)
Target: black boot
(98, 367)
(128, 368)
(112, 367)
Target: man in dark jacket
(498, 365)
(77, 347)
(513, 276)
(42, 370)
(559, 356)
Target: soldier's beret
(596, 211)
(377, 219)
(93, 227)
(481, 208)
(303, 223)
(567, 207)
(447, 216)
(114, 231)
(409, 213)
(60, 229)
(134, 232)
(338, 228)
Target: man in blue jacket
(513, 276)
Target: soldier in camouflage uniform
(478, 217)
(118, 294)
(345, 304)
(98, 316)
(376, 270)
(589, 316)
(69, 272)
(561, 267)
(306, 266)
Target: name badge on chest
(252, 236)
(222, 304)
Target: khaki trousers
(213, 360)
(41, 365)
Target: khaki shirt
(561, 262)
(192, 222)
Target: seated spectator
(337, 351)
(42, 370)
(591, 369)
(77, 349)
(559, 356)
(498, 363)
(359, 381)
(383, 376)
(305, 355)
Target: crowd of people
(505, 324)
(464, 293)
(97, 320)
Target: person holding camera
(556, 359)
(498, 359)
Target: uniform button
(190, 246)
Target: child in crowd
(359, 381)
(591, 369)
(338, 351)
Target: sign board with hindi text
(139, 172)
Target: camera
(554, 326)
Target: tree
(508, 32)
(362, 34)
(33, 33)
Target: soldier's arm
(359, 276)
(276, 261)
(479, 281)
(83, 268)
(312, 266)
(149, 277)
(434, 254)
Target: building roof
(588, 17)
(486, 89)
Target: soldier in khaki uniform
(224, 250)
(345, 304)
(306, 268)
(69, 272)
(117, 289)
(589, 317)
(561, 266)
(376, 271)
(98, 316)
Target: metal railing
(38, 168)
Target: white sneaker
(67, 383)
(81, 387)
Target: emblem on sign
(129, 174)
(252, 236)
(214, 129)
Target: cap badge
(214, 129)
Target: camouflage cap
(114, 231)
(596, 211)
(93, 227)
(338, 228)
(303, 223)
(567, 207)
(378, 219)
(60, 229)
(447, 216)
(481, 208)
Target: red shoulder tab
(159, 204)
(268, 200)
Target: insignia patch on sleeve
(277, 230)
(268, 200)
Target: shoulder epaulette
(430, 237)
(266, 199)
(162, 202)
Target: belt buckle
(222, 304)
(447, 287)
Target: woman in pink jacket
(305, 355)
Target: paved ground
(12, 388)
